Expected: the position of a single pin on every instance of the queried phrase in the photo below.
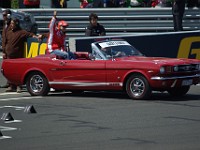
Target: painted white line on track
(3, 128)
(9, 93)
(16, 107)
(13, 121)
(5, 137)
(19, 98)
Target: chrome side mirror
(91, 56)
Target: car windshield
(116, 49)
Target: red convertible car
(112, 65)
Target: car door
(77, 74)
(115, 72)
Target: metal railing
(117, 21)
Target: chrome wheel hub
(36, 83)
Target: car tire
(137, 87)
(179, 91)
(37, 84)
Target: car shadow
(156, 96)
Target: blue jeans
(60, 53)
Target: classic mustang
(112, 65)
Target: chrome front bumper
(175, 77)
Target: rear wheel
(180, 91)
(37, 84)
(137, 87)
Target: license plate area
(187, 82)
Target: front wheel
(179, 91)
(137, 87)
(37, 84)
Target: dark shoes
(10, 89)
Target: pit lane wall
(173, 44)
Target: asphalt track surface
(99, 121)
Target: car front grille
(187, 68)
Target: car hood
(159, 60)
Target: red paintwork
(93, 74)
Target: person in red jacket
(31, 3)
(56, 42)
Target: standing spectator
(5, 4)
(112, 3)
(15, 38)
(193, 3)
(124, 3)
(98, 3)
(135, 3)
(6, 26)
(59, 3)
(56, 43)
(154, 3)
(178, 9)
(55, 4)
(94, 28)
(86, 3)
(63, 3)
(32, 3)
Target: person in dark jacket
(193, 3)
(98, 3)
(178, 9)
(94, 28)
(14, 45)
(6, 26)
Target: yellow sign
(35, 49)
(185, 48)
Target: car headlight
(162, 70)
(175, 68)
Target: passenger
(6, 26)
(15, 38)
(56, 42)
(94, 28)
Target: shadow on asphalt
(123, 96)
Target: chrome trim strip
(79, 84)
(171, 78)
